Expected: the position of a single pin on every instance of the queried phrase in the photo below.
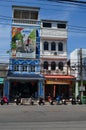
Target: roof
(12, 76)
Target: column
(41, 89)
(6, 89)
(76, 89)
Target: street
(44, 117)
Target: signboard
(82, 88)
(23, 42)
(1, 80)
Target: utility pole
(81, 72)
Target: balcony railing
(26, 21)
(54, 72)
(53, 33)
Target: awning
(59, 79)
(69, 77)
(13, 76)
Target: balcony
(53, 33)
(26, 21)
(54, 72)
(53, 54)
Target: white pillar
(76, 89)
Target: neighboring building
(78, 69)
(24, 70)
(53, 56)
(3, 75)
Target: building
(24, 70)
(78, 69)
(38, 59)
(3, 75)
(53, 56)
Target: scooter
(79, 101)
(41, 101)
(18, 100)
(50, 100)
(64, 101)
(31, 101)
(4, 100)
(73, 101)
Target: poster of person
(23, 42)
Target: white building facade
(78, 69)
(53, 56)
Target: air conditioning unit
(55, 53)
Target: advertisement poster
(23, 42)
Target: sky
(74, 14)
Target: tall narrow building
(24, 76)
(53, 56)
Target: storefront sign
(56, 82)
(1, 80)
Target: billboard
(23, 42)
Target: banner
(23, 42)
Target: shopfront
(25, 85)
(59, 85)
(1, 86)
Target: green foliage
(13, 45)
(33, 34)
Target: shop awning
(69, 77)
(13, 76)
(59, 79)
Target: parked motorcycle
(17, 100)
(58, 100)
(31, 101)
(50, 100)
(4, 100)
(64, 101)
(79, 100)
(41, 101)
(73, 101)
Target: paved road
(56, 117)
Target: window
(53, 46)
(32, 68)
(16, 67)
(61, 25)
(46, 46)
(60, 46)
(60, 65)
(24, 68)
(53, 65)
(45, 65)
(25, 14)
(48, 25)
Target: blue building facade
(24, 68)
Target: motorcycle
(50, 100)
(31, 101)
(18, 100)
(79, 100)
(73, 101)
(64, 101)
(41, 101)
(4, 100)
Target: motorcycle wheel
(2, 102)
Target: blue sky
(75, 15)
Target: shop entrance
(1, 90)
(24, 89)
(57, 89)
